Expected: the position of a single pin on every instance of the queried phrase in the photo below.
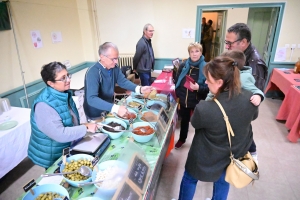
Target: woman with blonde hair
(188, 99)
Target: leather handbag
(241, 171)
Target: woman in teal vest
(54, 117)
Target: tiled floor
(278, 162)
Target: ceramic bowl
(127, 120)
(55, 188)
(152, 111)
(114, 135)
(75, 158)
(108, 188)
(142, 138)
(152, 102)
(128, 100)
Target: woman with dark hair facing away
(54, 117)
(208, 156)
(188, 99)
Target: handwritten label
(66, 151)
(29, 185)
(95, 161)
(127, 191)
(139, 173)
(140, 107)
(163, 118)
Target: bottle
(297, 67)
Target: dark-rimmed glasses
(231, 43)
(112, 59)
(65, 78)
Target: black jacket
(209, 152)
(259, 68)
(187, 98)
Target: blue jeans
(145, 78)
(188, 187)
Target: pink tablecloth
(282, 79)
(290, 111)
(285, 80)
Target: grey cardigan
(209, 152)
(143, 59)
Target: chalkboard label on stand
(29, 185)
(127, 191)
(139, 173)
(163, 118)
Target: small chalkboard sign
(159, 132)
(139, 171)
(29, 185)
(127, 191)
(66, 151)
(163, 118)
(95, 161)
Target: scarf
(198, 64)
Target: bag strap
(228, 126)
(230, 131)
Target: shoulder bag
(241, 171)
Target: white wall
(119, 21)
(72, 20)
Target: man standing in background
(238, 37)
(203, 29)
(143, 60)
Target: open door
(262, 22)
(218, 46)
(270, 37)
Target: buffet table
(154, 152)
(14, 141)
(286, 81)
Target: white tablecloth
(14, 142)
(77, 81)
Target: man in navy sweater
(100, 80)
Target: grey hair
(146, 27)
(105, 46)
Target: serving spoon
(83, 170)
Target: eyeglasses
(65, 78)
(112, 59)
(231, 43)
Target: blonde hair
(195, 45)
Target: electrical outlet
(294, 46)
(287, 45)
(298, 46)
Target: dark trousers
(185, 114)
(252, 147)
(145, 78)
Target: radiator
(125, 60)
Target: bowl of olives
(72, 164)
(45, 191)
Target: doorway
(272, 34)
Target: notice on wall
(56, 37)
(188, 33)
(280, 54)
(36, 39)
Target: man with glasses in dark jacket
(238, 37)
